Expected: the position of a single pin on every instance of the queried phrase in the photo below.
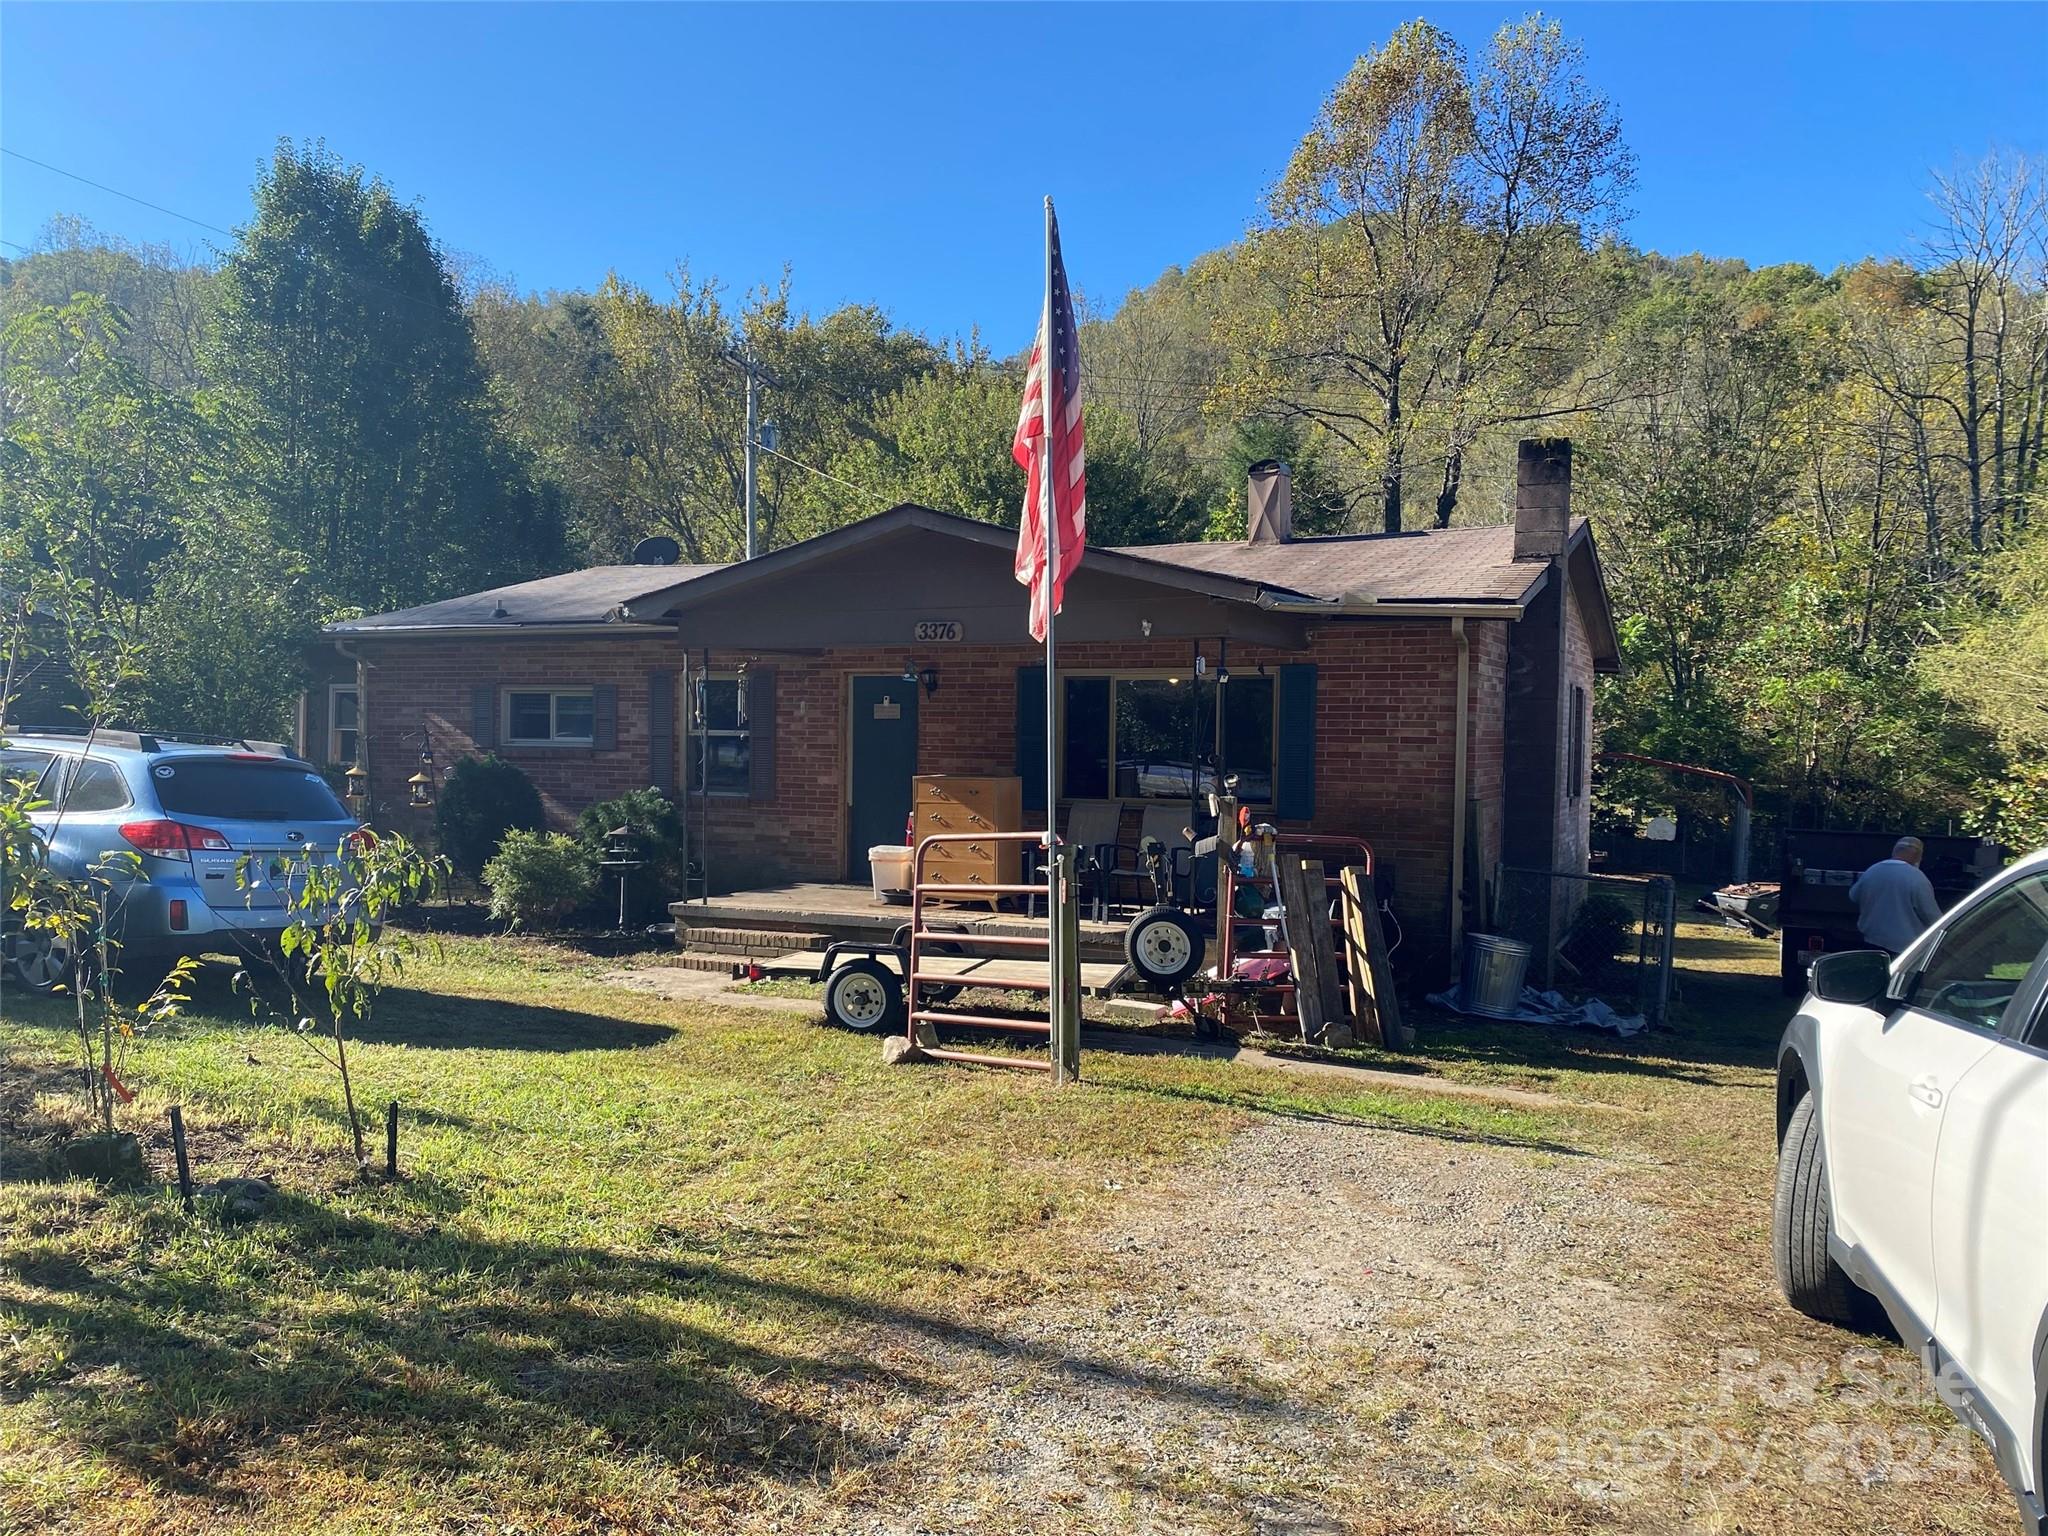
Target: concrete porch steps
(748, 941)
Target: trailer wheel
(864, 996)
(1164, 947)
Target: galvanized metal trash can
(1491, 982)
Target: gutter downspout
(1459, 752)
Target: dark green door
(882, 758)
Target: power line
(356, 280)
(58, 170)
(862, 491)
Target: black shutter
(761, 733)
(661, 731)
(483, 718)
(1294, 764)
(604, 717)
(1031, 735)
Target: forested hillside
(1814, 492)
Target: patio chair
(1127, 871)
(1092, 829)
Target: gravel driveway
(1335, 1328)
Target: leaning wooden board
(1362, 911)
(1311, 951)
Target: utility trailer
(1816, 917)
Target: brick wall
(1575, 815)
(1384, 727)
(418, 684)
(1486, 776)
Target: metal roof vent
(659, 550)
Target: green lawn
(624, 1284)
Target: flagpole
(1049, 515)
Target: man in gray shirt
(1894, 899)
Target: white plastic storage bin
(891, 865)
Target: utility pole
(760, 435)
(753, 430)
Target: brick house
(1429, 691)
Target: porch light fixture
(928, 678)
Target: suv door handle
(1927, 1090)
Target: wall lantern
(928, 678)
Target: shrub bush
(484, 798)
(657, 827)
(1600, 931)
(538, 878)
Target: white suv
(1913, 1158)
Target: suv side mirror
(1857, 977)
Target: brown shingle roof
(1437, 565)
(574, 597)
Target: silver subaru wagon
(214, 828)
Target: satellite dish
(659, 550)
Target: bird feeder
(358, 791)
(420, 790)
(621, 858)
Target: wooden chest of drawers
(951, 804)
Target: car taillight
(362, 840)
(172, 839)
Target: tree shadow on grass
(448, 1021)
(429, 1347)
(1251, 1098)
(433, 1020)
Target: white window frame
(692, 756)
(334, 752)
(1160, 675)
(554, 738)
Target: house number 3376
(926, 631)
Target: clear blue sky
(896, 155)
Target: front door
(882, 757)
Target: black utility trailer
(1815, 916)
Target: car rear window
(228, 789)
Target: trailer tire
(1164, 946)
(865, 996)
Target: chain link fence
(1605, 936)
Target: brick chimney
(1543, 497)
(1269, 503)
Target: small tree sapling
(337, 955)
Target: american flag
(1061, 402)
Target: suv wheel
(1800, 1222)
(42, 960)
